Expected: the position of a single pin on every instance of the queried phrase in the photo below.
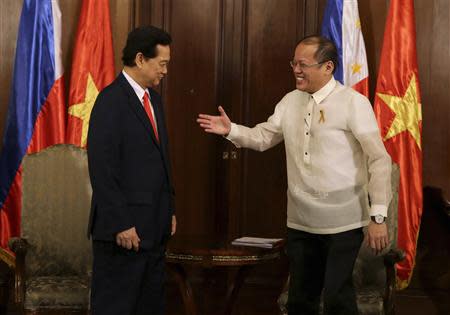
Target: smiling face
(310, 74)
(150, 71)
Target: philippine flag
(342, 25)
(36, 112)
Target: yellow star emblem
(356, 68)
(408, 112)
(83, 110)
(358, 24)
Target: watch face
(379, 219)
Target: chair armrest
(19, 246)
(392, 257)
(7, 259)
(283, 297)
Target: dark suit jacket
(129, 169)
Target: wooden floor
(417, 302)
(258, 301)
(255, 300)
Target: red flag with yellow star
(92, 67)
(399, 114)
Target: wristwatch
(378, 218)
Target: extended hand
(377, 237)
(174, 225)
(220, 125)
(128, 239)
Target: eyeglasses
(304, 66)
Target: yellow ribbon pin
(322, 116)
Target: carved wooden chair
(52, 265)
(373, 276)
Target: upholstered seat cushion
(57, 292)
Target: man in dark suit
(132, 214)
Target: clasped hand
(128, 239)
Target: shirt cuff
(378, 209)
(234, 133)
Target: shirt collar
(321, 94)
(136, 87)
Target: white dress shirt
(140, 93)
(335, 157)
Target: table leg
(185, 288)
(233, 290)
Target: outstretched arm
(220, 125)
(261, 137)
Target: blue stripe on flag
(34, 76)
(332, 29)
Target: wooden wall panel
(271, 36)
(122, 22)
(191, 88)
(433, 47)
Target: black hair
(326, 49)
(144, 40)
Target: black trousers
(125, 282)
(322, 263)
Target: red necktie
(149, 114)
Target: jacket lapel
(162, 131)
(137, 108)
(159, 116)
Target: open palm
(220, 125)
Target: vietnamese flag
(398, 111)
(92, 67)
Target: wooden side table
(208, 253)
